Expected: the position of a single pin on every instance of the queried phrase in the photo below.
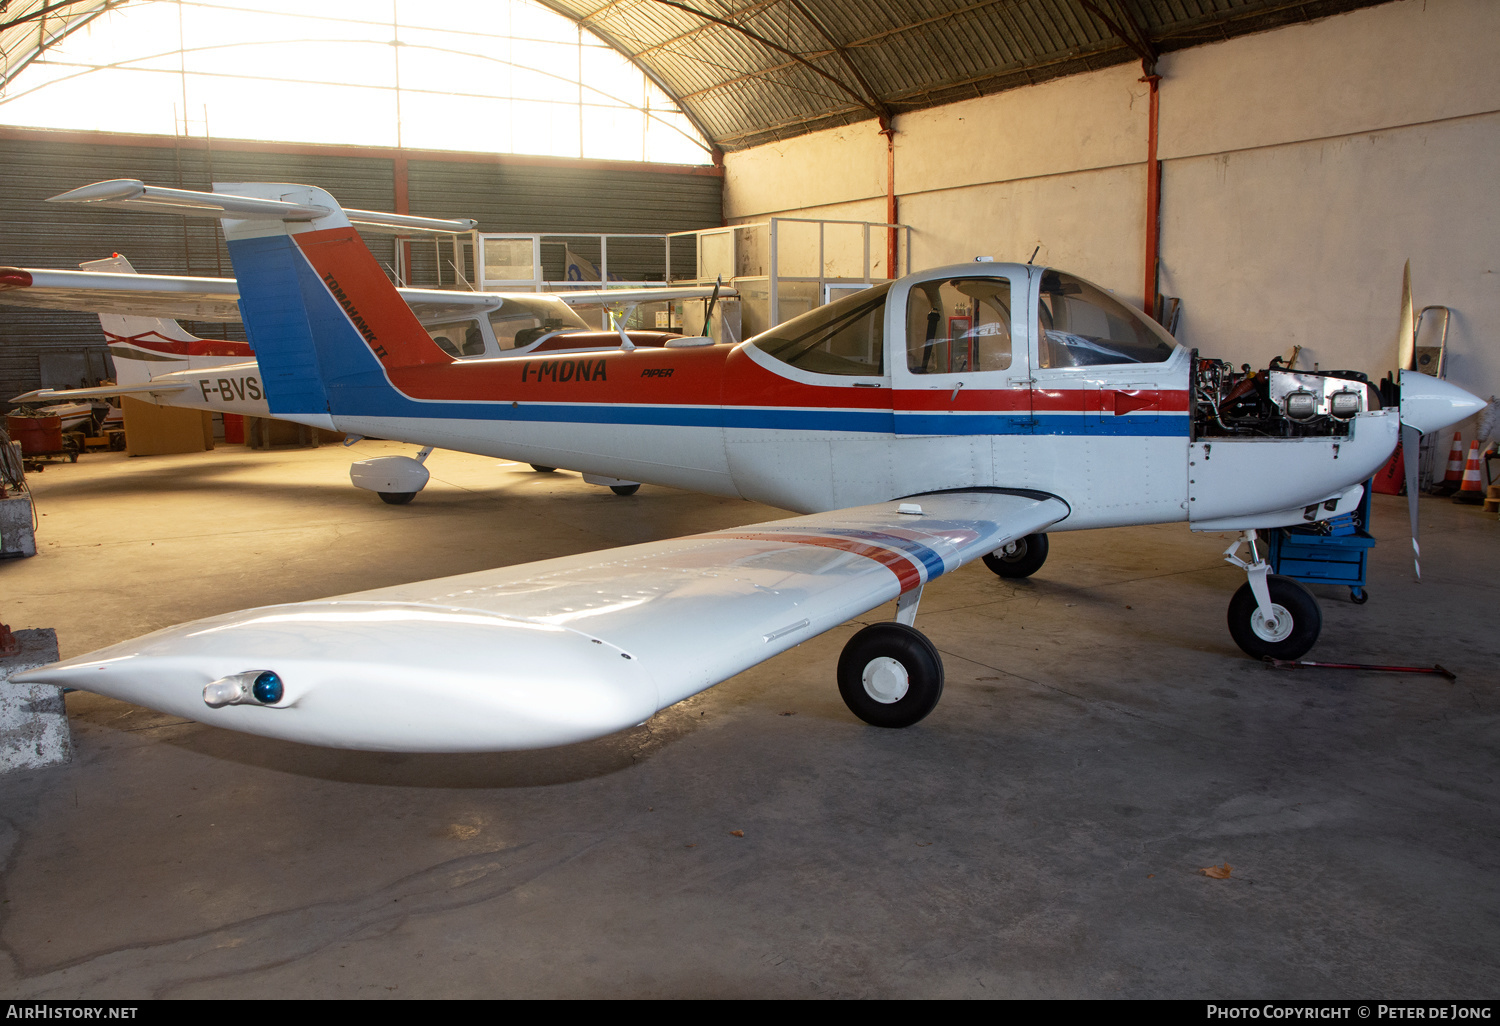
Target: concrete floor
(1039, 835)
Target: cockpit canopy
(965, 323)
(517, 322)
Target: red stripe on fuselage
(898, 563)
(156, 342)
(1043, 400)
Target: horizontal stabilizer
(133, 194)
(48, 395)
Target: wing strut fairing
(558, 651)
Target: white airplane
(951, 415)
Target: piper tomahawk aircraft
(947, 416)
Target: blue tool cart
(1336, 551)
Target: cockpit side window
(1081, 325)
(958, 326)
(521, 320)
(846, 337)
(458, 338)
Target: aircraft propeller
(1426, 403)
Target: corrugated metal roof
(751, 71)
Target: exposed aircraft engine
(1275, 402)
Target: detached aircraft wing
(552, 652)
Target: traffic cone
(1471, 492)
(1454, 478)
(1391, 478)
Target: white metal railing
(780, 267)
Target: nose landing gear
(1270, 615)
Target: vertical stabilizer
(325, 321)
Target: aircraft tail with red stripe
(326, 322)
(147, 347)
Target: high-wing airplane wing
(558, 651)
(145, 295)
(217, 299)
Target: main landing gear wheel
(1290, 634)
(543, 470)
(1021, 558)
(625, 489)
(397, 498)
(890, 675)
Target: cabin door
(960, 363)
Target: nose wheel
(1271, 615)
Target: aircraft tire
(625, 489)
(543, 470)
(1288, 638)
(1030, 554)
(397, 498)
(890, 675)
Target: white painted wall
(1301, 167)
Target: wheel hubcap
(886, 680)
(1272, 629)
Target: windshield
(845, 337)
(521, 320)
(1083, 326)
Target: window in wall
(494, 76)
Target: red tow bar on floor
(1298, 664)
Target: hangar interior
(1269, 165)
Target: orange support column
(1153, 200)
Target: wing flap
(561, 650)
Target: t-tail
(326, 321)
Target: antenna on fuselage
(708, 314)
(1034, 253)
